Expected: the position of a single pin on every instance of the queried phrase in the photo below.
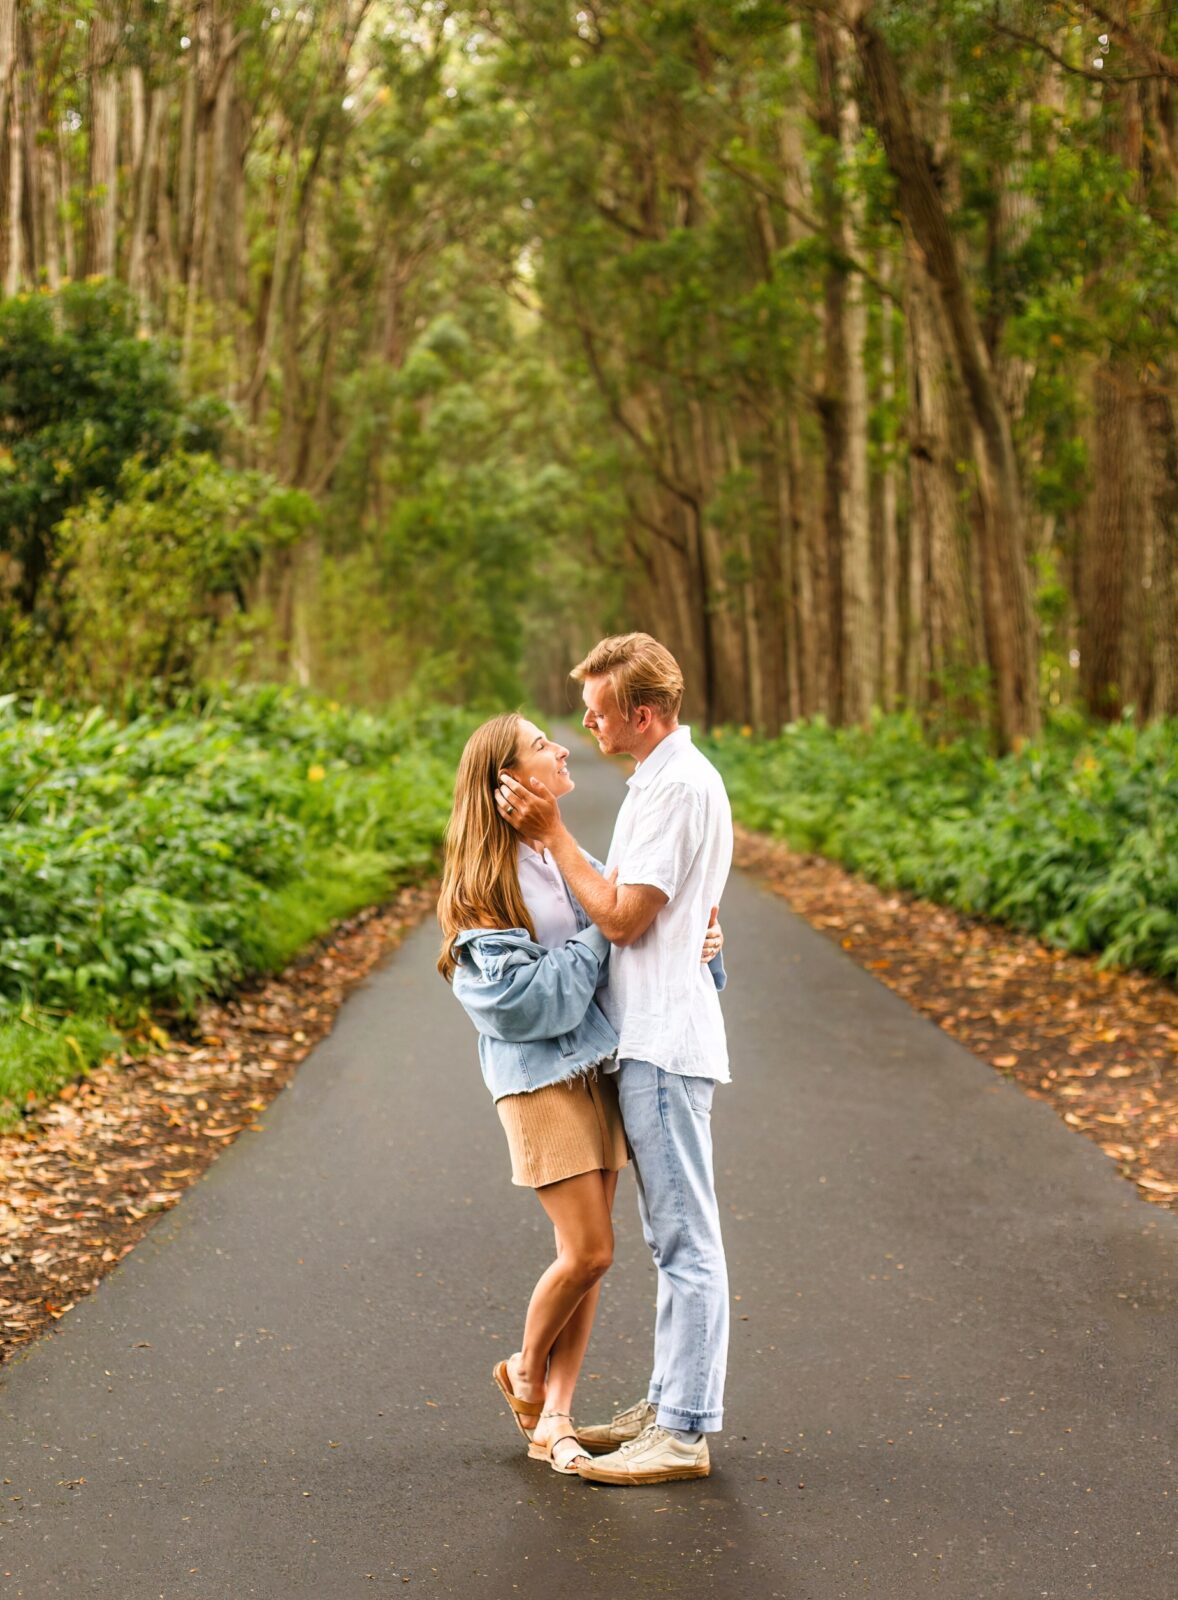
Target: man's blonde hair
(641, 671)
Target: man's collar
(646, 771)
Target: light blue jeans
(669, 1125)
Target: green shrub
(145, 864)
(152, 573)
(80, 395)
(1075, 838)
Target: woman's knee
(590, 1262)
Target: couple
(600, 1028)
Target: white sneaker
(655, 1456)
(628, 1424)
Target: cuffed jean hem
(687, 1421)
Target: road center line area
(952, 1369)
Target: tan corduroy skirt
(565, 1129)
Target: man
(672, 848)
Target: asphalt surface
(953, 1363)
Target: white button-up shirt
(546, 896)
(674, 831)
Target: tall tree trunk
(1128, 532)
(8, 58)
(11, 165)
(1111, 610)
(33, 211)
(832, 406)
(860, 625)
(728, 695)
(939, 650)
(889, 530)
(273, 285)
(1160, 417)
(15, 267)
(147, 181)
(218, 270)
(186, 165)
(758, 663)
(1159, 407)
(804, 567)
(102, 212)
(51, 225)
(1011, 642)
(844, 405)
(44, 157)
(204, 69)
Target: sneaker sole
(672, 1475)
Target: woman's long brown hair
(480, 879)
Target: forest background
(396, 352)
(378, 346)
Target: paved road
(953, 1367)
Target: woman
(526, 963)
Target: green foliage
(150, 578)
(80, 393)
(39, 1052)
(485, 492)
(145, 864)
(1074, 839)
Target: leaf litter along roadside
(1100, 1045)
(88, 1174)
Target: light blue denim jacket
(537, 1018)
(534, 1008)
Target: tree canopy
(834, 342)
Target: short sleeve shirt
(674, 831)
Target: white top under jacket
(674, 831)
(546, 896)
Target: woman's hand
(714, 938)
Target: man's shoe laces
(643, 1438)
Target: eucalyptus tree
(846, 328)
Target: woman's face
(538, 756)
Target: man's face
(603, 717)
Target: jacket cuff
(595, 939)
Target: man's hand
(624, 914)
(713, 938)
(530, 810)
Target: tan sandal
(546, 1452)
(519, 1408)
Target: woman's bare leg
(580, 1212)
(568, 1352)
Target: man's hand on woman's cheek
(508, 810)
(532, 810)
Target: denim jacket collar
(513, 936)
